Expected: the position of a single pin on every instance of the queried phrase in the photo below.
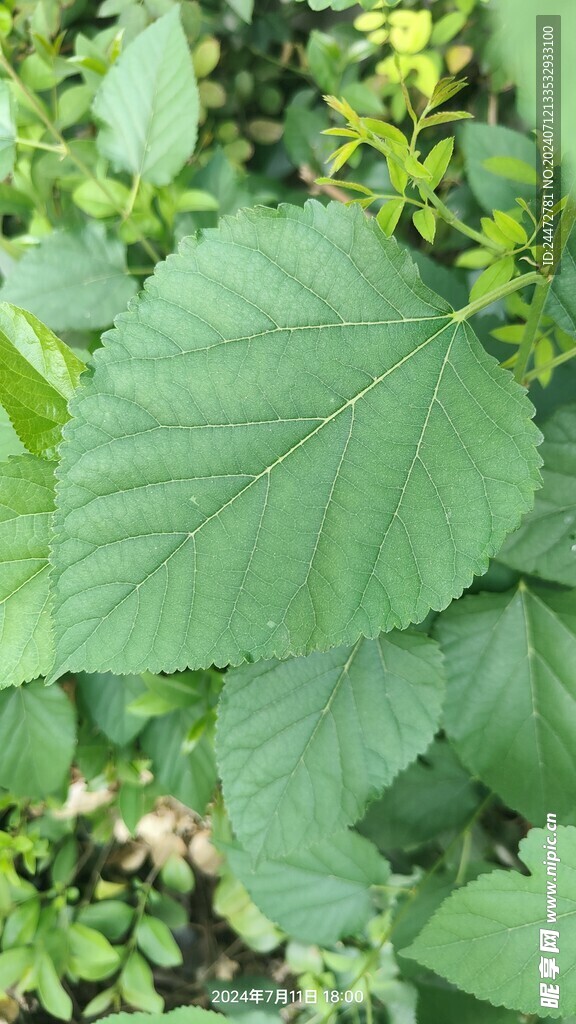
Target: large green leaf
(37, 737)
(38, 376)
(148, 104)
(301, 447)
(561, 298)
(304, 744)
(72, 280)
(511, 699)
(485, 937)
(319, 894)
(26, 507)
(440, 1004)
(545, 543)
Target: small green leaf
(177, 874)
(38, 376)
(511, 334)
(92, 956)
(474, 259)
(485, 937)
(26, 506)
(51, 993)
(137, 986)
(102, 198)
(397, 174)
(438, 159)
(206, 56)
(511, 168)
(155, 940)
(243, 8)
(14, 963)
(148, 104)
(425, 223)
(329, 732)
(389, 214)
(340, 156)
(182, 1015)
(385, 131)
(416, 170)
(494, 233)
(446, 28)
(445, 118)
(510, 227)
(491, 278)
(110, 917)
(445, 89)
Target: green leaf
(445, 89)
(511, 168)
(243, 8)
(510, 227)
(26, 506)
(425, 222)
(561, 301)
(105, 698)
(485, 936)
(137, 986)
(438, 159)
(432, 795)
(263, 436)
(190, 777)
(325, 733)
(389, 215)
(177, 874)
(7, 131)
(479, 143)
(105, 198)
(72, 281)
(92, 956)
(148, 104)
(332, 880)
(38, 376)
(511, 700)
(14, 963)
(445, 118)
(52, 995)
(495, 275)
(37, 737)
(110, 917)
(446, 28)
(156, 942)
(545, 543)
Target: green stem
(464, 858)
(65, 149)
(561, 236)
(499, 293)
(563, 358)
(33, 144)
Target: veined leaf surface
(288, 442)
(26, 507)
(304, 744)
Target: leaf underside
(287, 443)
